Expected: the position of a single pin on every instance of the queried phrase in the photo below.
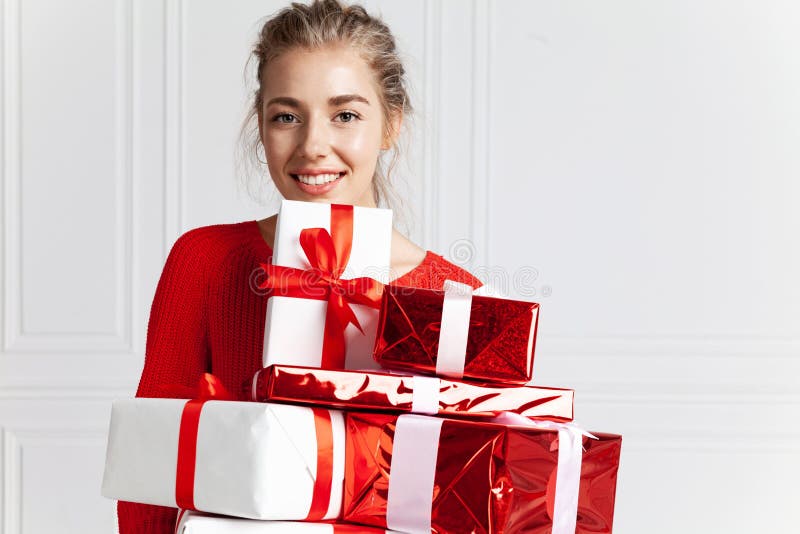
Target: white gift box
(198, 523)
(293, 333)
(253, 460)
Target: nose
(314, 142)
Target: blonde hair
(316, 25)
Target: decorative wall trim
(12, 483)
(672, 346)
(632, 372)
(41, 375)
(609, 395)
(174, 121)
(480, 181)
(432, 118)
(125, 156)
(13, 441)
(15, 338)
(55, 392)
(9, 112)
(730, 444)
(12, 178)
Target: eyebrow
(332, 101)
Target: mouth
(318, 184)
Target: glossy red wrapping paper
(489, 478)
(360, 390)
(500, 346)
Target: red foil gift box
(371, 390)
(499, 334)
(477, 477)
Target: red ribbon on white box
(327, 254)
(454, 329)
(211, 388)
(413, 470)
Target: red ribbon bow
(327, 254)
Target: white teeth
(319, 179)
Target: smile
(317, 184)
(318, 179)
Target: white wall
(633, 166)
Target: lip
(318, 189)
(314, 172)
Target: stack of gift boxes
(380, 408)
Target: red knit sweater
(206, 318)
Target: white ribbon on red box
(568, 471)
(454, 329)
(412, 473)
(425, 399)
(413, 470)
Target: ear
(395, 123)
(260, 117)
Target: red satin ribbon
(187, 454)
(341, 528)
(210, 388)
(328, 254)
(323, 484)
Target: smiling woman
(340, 54)
(323, 141)
(331, 99)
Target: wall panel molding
(480, 178)
(9, 112)
(126, 35)
(736, 444)
(38, 376)
(458, 101)
(174, 121)
(432, 102)
(12, 483)
(620, 395)
(659, 373)
(16, 338)
(14, 440)
(715, 404)
(678, 346)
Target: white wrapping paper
(293, 333)
(197, 523)
(254, 460)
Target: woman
(331, 97)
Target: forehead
(315, 75)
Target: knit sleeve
(433, 271)
(176, 353)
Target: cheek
(276, 144)
(363, 145)
(277, 151)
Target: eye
(279, 118)
(348, 116)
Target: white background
(633, 166)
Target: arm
(176, 353)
